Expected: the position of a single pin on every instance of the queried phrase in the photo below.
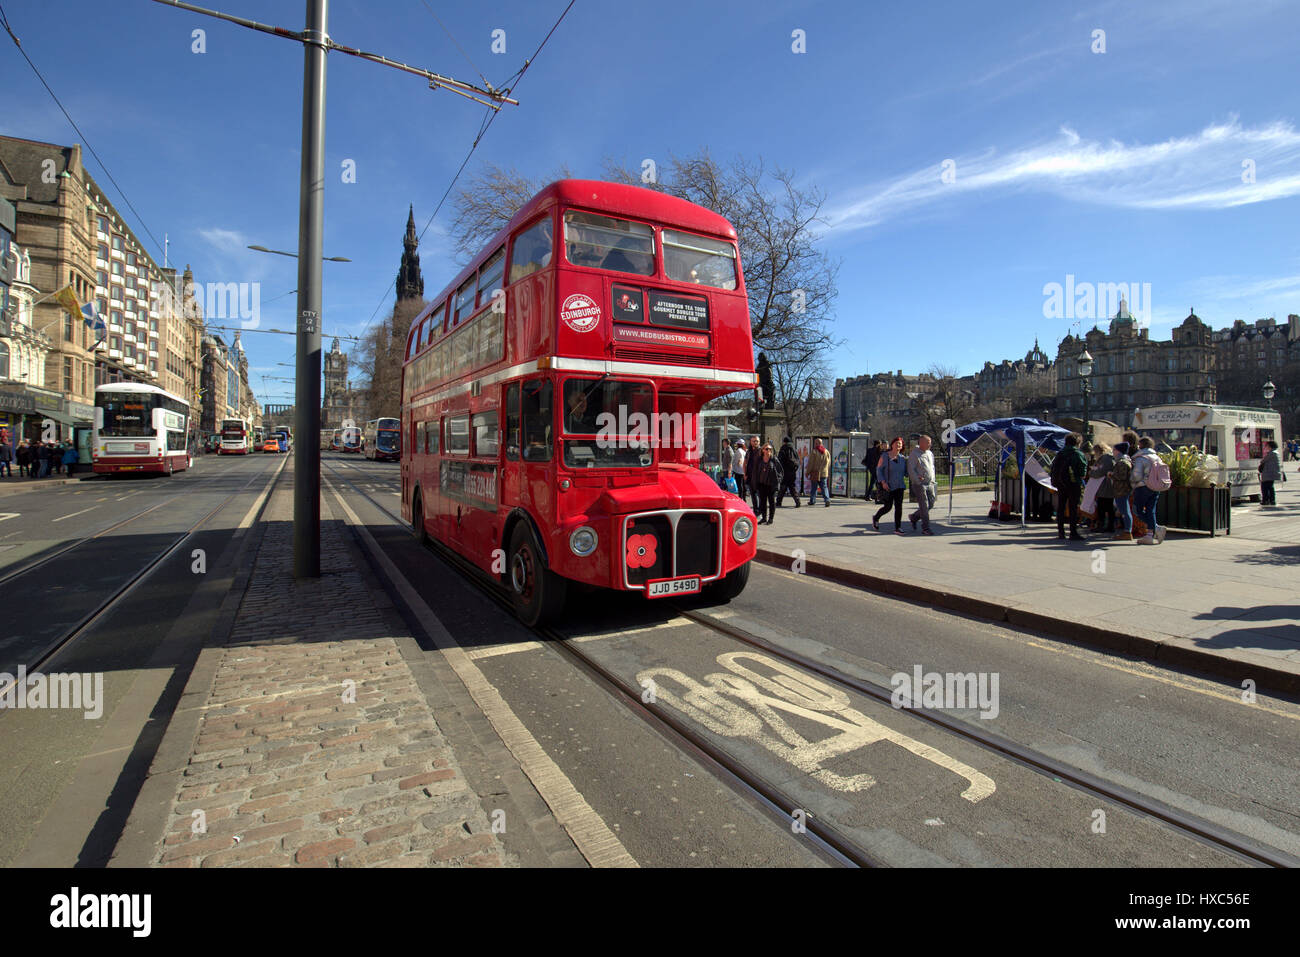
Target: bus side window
(512, 421)
(536, 420)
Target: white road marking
(590, 834)
(743, 703)
(5, 515)
(493, 651)
(75, 514)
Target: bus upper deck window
(602, 242)
(531, 250)
(700, 260)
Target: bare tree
(486, 203)
(791, 283)
(381, 353)
(800, 379)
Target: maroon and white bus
(139, 428)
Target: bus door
(532, 484)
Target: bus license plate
(672, 586)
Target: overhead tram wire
(457, 45)
(507, 87)
(4, 21)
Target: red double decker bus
(550, 398)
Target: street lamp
(1085, 370)
(281, 252)
(1269, 392)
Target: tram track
(1191, 826)
(52, 649)
(9, 575)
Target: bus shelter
(1023, 437)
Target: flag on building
(66, 298)
(92, 318)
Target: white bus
(236, 437)
(1235, 434)
(139, 428)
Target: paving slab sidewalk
(1229, 605)
(315, 746)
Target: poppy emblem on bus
(580, 313)
(641, 551)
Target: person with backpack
(1150, 477)
(1270, 470)
(1120, 475)
(789, 470)
(1068, 470)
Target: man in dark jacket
(767, 479)
(871, 461)
(1068, 470)
(789, 469)
(43, 459)
(752, 457)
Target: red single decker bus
(550, 400)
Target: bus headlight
(583, 541)
(742, 531)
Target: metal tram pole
(311, 243)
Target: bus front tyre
(536, 592)
(728, 587)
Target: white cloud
(224, 240)
(1201, 171)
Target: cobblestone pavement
(317, 748)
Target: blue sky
(1170, 159)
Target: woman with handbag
(892, 473)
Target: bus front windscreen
(126, 416)
(620, 416)
(387, 440)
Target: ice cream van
(1234, 434)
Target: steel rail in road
(826, 840)
(11, 574)
(57, 645)
(1201, 830)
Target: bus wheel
(728, 587)
(536, 592)
(417, 520)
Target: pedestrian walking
(1122, 488)
(724, 460)
(6, 458)
(70, 457)
(819, 471)
(767, 479)
(738, 469)
(920, 470)
(1146, 470)
(871, 460)
(1270, 470)
(1068, 470)
(789, 463)
(892, 475)
(753, 455)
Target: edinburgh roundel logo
(580, 313)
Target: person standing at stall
(1068, 470)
